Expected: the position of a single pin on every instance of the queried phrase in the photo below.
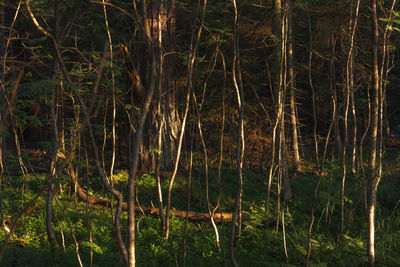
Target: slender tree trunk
(189, 191)
(383, 75)
(346, 99)
(361, 148)
(349, 93)
(276, 71)
(283, 162)
(372, 174)
(292, 85)
(158, 166)
(2, 104)
(160, 120)
(134, 157)
(134, 164)
(332, 86)
(237, 81)
(277, 83)
(336, 127)
(195, 104)
(344, 168)
(332, 79)
(114, 107)
(350, 63)
(354, 126)
(221, 144)
(50, 186)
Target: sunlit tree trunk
(349, 96)
(114, 107)
(351, 88)
(277, 55)
(2, 104)
(292, 85)
(195, 104)
(284, 69)
(237, 80)
(160, 126)
(277, 92)
(385, 68)
(372, 174)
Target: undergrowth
(259, 244)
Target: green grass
(258, 245)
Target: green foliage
(82, 39)
(258, 245)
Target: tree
(373, 178)
(164, 14)
(292, 86)
(238, 83)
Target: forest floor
(260, 242)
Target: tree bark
(372, 174)
(161, 21)
(292, 85)
(237, 80)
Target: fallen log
(192, 215)
(84, 196)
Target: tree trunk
(372, 175)
(50, 186)
(165, 15)
(238, 83)
(137, 142)
(2, 126)
(53, 121)
(336, 125)
(277, 92)
(292, 85)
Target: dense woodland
(200, 133)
